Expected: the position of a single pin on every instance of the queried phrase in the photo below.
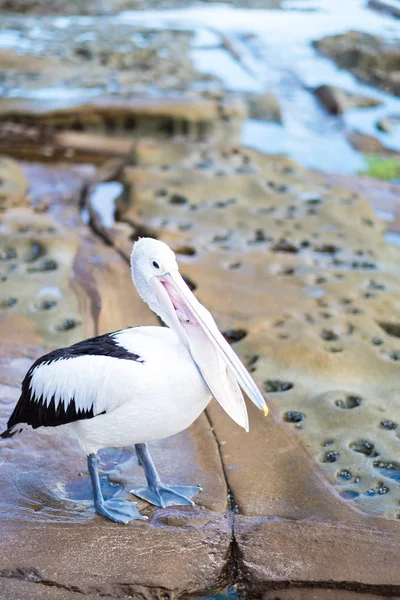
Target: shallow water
(276, 56)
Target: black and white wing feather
(66, 385)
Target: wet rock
(385, 125)
(294, 332)
(387, 6)
(13, 184)
(368, 144)
(337, 100)
(264, 107)
(371, 58)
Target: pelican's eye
(155, 264)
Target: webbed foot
(163, 495)
(120, 511)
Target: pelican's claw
(120, 511)
(163, 495)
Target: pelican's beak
(220, 368)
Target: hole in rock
(234, 335)
(186, 250)
(259, 236)
(364, 447)
(349, 495)
(331, 456)
(36, 250)
(389, 425)
(287, 271)
(326, 249)
(178, 199)
(390, 328)
(344, 475)
(46, 305)
(329, 335)
(225, 203)
(67, 324)
(390, 469)
(45, 265)
(283, 245)
(185, 226)
(275, 385)
(252, 362)
(348, 402)
(8, 303)
(218, 239)
(334, 349)
(373, 285)
(292, 416)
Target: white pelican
(140, 384)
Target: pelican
(140, 384)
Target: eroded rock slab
(371, 58)
(299, 276)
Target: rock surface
(295, 267)
(264, 107)
(371, 58)
(368, 144)
(337, 100)
(388, 6)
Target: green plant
(382, 167)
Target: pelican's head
(150, 258)
(155, 274)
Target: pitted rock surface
(304, 318)
(303, 271)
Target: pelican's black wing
(47, 412)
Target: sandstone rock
(13, 184)
(34, 126)
(337, 100)
(101, 7)
(296, 270)
(388, 6)
(385, 125)
(301, 268)
(368, 144)
(384, 196)
(113, 57)
(371, 58)
(264, 107)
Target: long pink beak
(219, 366)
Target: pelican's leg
(159, 493)
(115, 509)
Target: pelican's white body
(140, 384)
(150, 399)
